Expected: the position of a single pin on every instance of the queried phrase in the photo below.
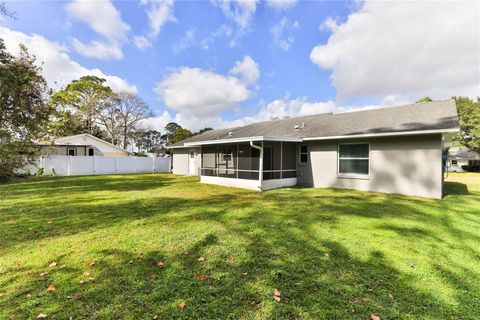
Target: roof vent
(230, 133)
(297, 127)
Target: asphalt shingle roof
(433, 115)
(462, 154)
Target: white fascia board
(386, 134)
(245, 139)
(295, 139)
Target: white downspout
(260, 165)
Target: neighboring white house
(461, 159)
(81, 145)
(396, 149)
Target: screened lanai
(268, 164)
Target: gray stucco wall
(180, 158)
(406, 165)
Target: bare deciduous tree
(130, 110)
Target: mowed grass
(333, 254)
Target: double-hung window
(303, 154)
(353, 159)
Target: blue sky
(292, 58)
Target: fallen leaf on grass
(374, 317)
(91, 278)
(86, 273)
(201, 259)
(130, 262)
(182, 304)
(327, 254)
(277, 296)
(391, 296)
(91, 264)
(63, 266)
(53, 264)
(231, 257)
(156, 317)
(51, 288)
(82, 281)
(245, 273)
(160, 264)
(42, 316)
(49, 222)
(201, 276)
(29, 295)
(43, 274)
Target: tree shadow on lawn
(278, 249)
(67, 185)
(317, 281)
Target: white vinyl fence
(84, 165)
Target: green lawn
(333, 254)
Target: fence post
(69, 166)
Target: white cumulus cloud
(159, 13)
(247, 70)
(199, 96)
(58, 68)
(103, 18)
(405, 49)
(98, 49)
(196, 91)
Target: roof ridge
(336, 114)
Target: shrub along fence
(85, 165)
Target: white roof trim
(93, 137)
(245, 139)
(294, 139)
(385, 134)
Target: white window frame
(300, 153)
(353, 175)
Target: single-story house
(394, 150)
(80, 145)
(463, 159)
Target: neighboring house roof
(463, 153)
(425, 117)
(64, 141)
(42, 144)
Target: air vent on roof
(297, 127)
(230, 133)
